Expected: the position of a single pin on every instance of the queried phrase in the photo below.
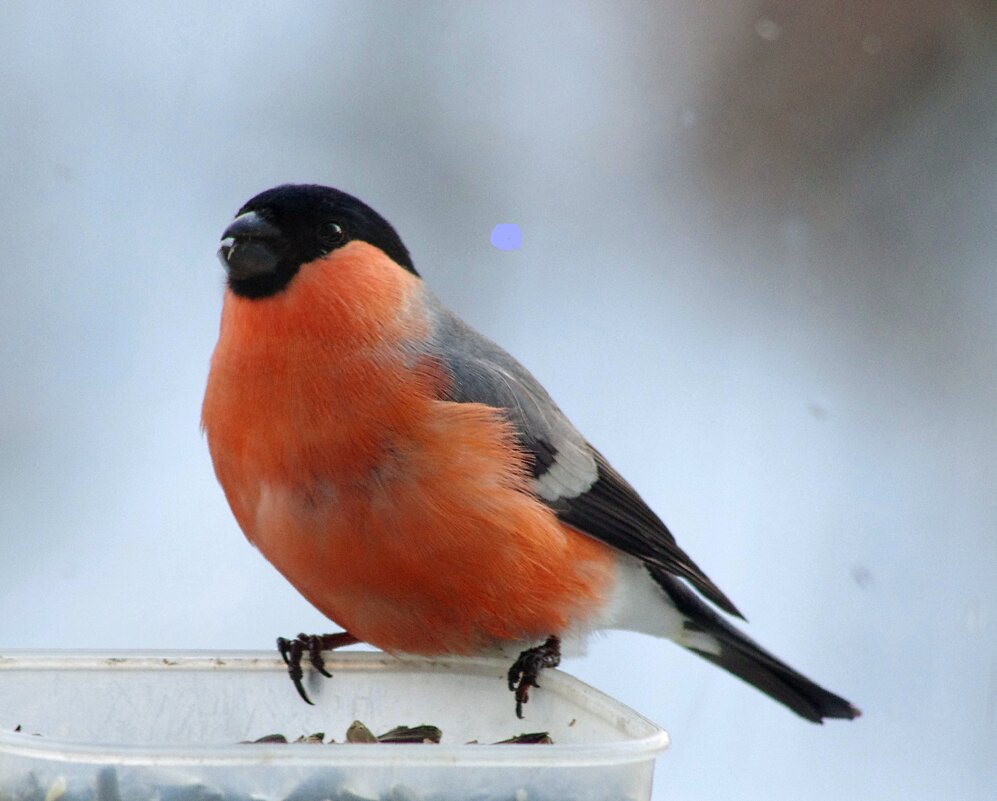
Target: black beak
(247, 249)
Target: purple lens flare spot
(507, 236)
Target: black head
(281, 229)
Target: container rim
(648, 741)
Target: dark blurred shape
(817, 85)
(862, 576)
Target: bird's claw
(526, 669)
(291, 652)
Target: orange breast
(404, 518)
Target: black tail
(749, 661)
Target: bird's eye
(331, 233)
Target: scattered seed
(57, 789)
(359, 733)
(267, 738)
(107, 785)
(530, 738)
(412, 734)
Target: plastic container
(167, 727)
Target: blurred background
(758, 270)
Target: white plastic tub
(167, 727)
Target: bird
(416, 484)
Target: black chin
(261, 286)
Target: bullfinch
(416, 483)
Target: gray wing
(568, 474)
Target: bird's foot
(291, 652)
(526, 669)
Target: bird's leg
(526, 669)
(291, 652)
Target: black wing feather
(612, 511)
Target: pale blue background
(757, 269)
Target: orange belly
(433, 550)
(406, 519)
